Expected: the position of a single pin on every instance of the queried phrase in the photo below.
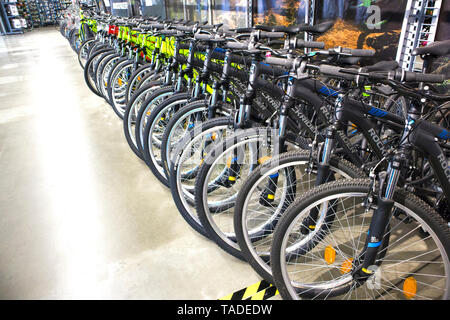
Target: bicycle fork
(385, 203)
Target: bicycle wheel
(190, 116)
(144, 113)
(135, 78)
(103, 73)
(220, 178)
(83, 53)
(187, 159)
(268, 192)
(131, 114)
(413, 262)
(117, 85)
(89, 74)
(154, 131)
(99, 68)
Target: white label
(14, 11)
(107, 4)
(16, 23)
(120, 5)
(148, 3)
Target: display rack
(40, 13)
(24, 12)
(10, 19)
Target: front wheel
(413, 262)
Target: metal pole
(211, 5)
(249, 19)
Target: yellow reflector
(330, 255)
(346, 266)
(263, 159)
(231, 178)
(106, 84)
(410, 287)
(119, 81)
(270, 196)
(148, 113)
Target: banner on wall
(363, 24)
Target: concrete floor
(80, 216)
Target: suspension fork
(242, 118)
(267, 196)
(383, 212)
(188, 71)
(323, 166)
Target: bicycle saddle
(437, 49)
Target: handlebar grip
(211, 26)
(157, 25)
(237, 45)
(288, 63)
(309, 44)
(409, 76)
(184, 28)
(199, 36)
(243, 30)
(359, 52)
(271, 35)
(334, 71)
(227, 32)
(271, 70)
(170, 32)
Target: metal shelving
(419, 28)
(10, 18)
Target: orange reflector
(139, 78)
(346, 266)
(229, 162)
(410, 287)
(213, 136)
(263, 159)
(329, 255)
(148, 112)
(119, 81)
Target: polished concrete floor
(80, 216)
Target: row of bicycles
(325, 171)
